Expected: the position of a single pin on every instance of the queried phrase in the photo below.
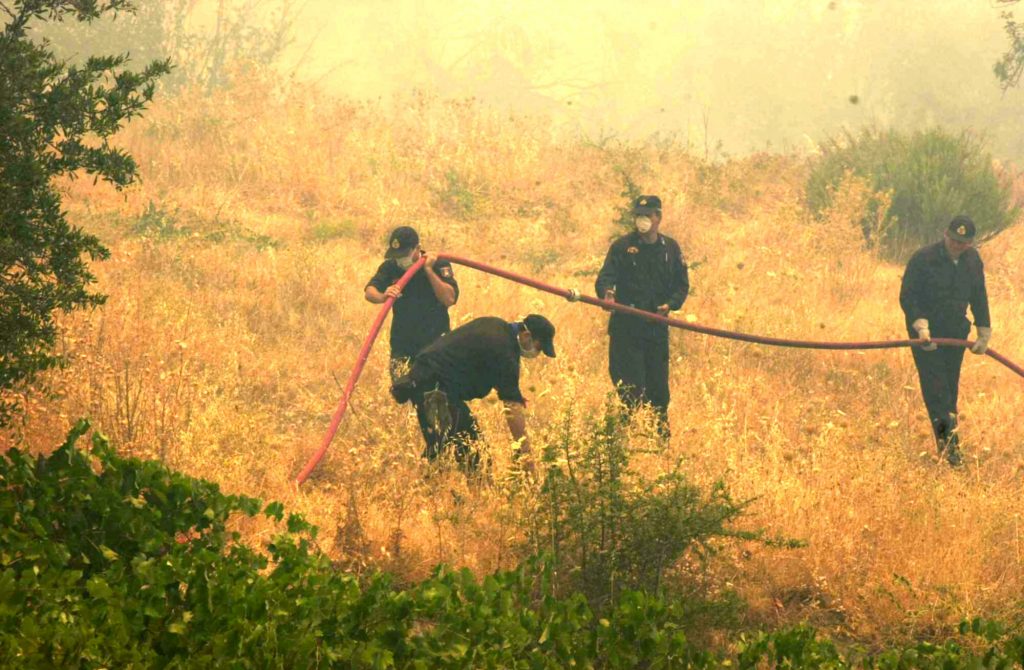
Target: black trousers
(639, 370)
(445, 422)
(939, 374)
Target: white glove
(921, 326)
(980, 345)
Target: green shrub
(624, 219)
(608, 529)
(122, 563)
(108, 562)
(932, 175)
(981, 644)
(159, 224)
(459, 198)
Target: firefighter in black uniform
(940, 281)
(646, 270)
(421, 310)
(466, 364)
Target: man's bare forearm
(373, 295)
(515, 416)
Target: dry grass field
(235, 312)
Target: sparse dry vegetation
(235, 311)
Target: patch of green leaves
(56, 120)
(608, 529)
(114, 562)
(933, 175)
(326, 231)
(160, 224)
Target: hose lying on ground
(575, 296)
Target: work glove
(980, 345)
(609, 296)
(921, 326)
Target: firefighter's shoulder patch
(446, 272)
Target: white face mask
(529, 353)
(643, 224)
(532, 352)
(405, 262)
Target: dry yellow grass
(225, 359)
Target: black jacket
(419, 317)
(472, 360)
(937, 289)
(643, 276)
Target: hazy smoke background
(730, 76)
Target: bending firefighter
(468, 363)
(940, 281)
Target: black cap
(962, 229)
(543, 331)
(645, 205)
(403, 240)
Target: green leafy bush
(982, 644)
(56, 121)
(608, 529)
(931, 176)
(459, 198)
(624, 219)
(108, 562)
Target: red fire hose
(575, 296)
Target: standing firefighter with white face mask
(940, 281)
(643, 269)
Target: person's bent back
(466, 364)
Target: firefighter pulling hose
(574, 295)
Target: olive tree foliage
(1010, 66)
(56, 120)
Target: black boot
(953, 454)
(948, 441)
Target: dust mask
(405, 262)
(643, 224)
(532, 352)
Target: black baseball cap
(962, 229)
(402, 240)
(543, 331)
(645, 205)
